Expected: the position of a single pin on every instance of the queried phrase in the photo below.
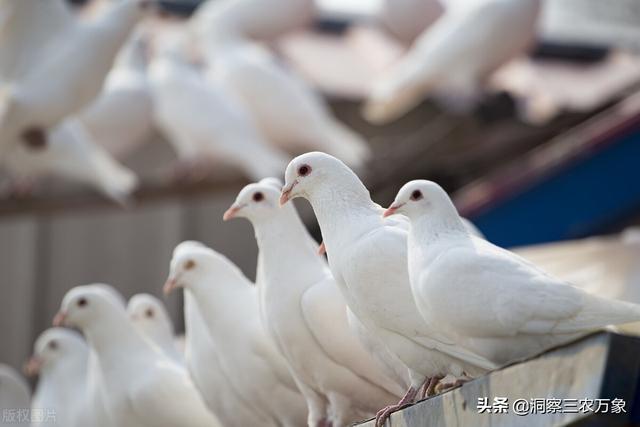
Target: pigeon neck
(195, 328)
(225, 300)
(113, 335)
(162, 336)
(435, 226)
(68, 372)
(285, 245)
(344, 206)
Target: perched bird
(228, 303)
(43, 42)
(140, 383)
(606, 266)
(204, 363)
(487, 299)
(217, 21)
(121, 118)
(280, 101)
(71, 154)
(455, 55)
(149, 315)
(60, 361)
(407, 19)
(368, 258)
(203, 121)
(15, 396)
(306, 315)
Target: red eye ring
(304, 170)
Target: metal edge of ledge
(599, 366)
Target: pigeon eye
(189, 264)
(149, 313)
(258, 196)
(416, 195)
(82, 302)
(304, 170)
(53, 345)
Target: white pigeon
(456, 55)
(407, 19)
(288, 112)
(15, 397)
(486, 299)
(43, 42)
(121, 118)
(150, 316)
(306, 315)
(142, 386)
(203, 361)
(71, 154)
(368, 258)
(228, 303)
(60, 360)
(219, 20)
(203, 121)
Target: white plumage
(121, 118)
(149, 315)
(367, 255)
(14, 395)
(456, 54)
(306, 315)
(217, 21)
(43, 42)
(228, 303)
(71, 153)
(407, 19)
(288, 112)
(141, 386)
(60, 359)
(486, 299)
(203, 360)
(203, 121)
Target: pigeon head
(255, 201)
(84, 306)
(190, 263)
(421, 197)
(53, 346)
(305, 173)
(148, 314)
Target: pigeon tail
(114, 180)
(392, 99)
(599, 313)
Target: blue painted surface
(581, 200)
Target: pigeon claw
(383, 415)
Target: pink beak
(322, 249)
(231, 212)
(32, 366)
(286, 193)
(391, 210)
(169, 286)
(59, 318)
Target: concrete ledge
(602, 366)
